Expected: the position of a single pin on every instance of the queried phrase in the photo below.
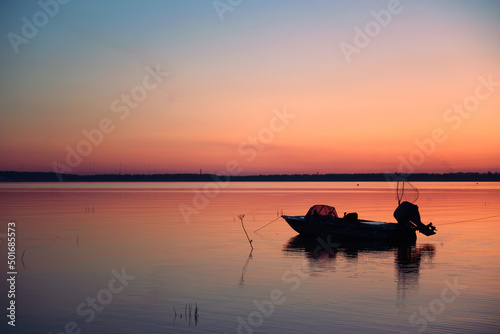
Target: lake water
(173, 258)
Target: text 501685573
(11, 273)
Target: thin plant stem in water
(242, 225)
(22, 256)
(191, 313)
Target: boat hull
(359, 229)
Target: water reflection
(244, 270)
(329, 247)
(408, 261)
(323, 252)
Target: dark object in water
(408, 216)
(323, 220)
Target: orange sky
(365, 112)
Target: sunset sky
(267, 86)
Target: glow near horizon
(226, 78)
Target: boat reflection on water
(324, 252)
(408, 260)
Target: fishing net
(406, 192)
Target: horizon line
(14, 176)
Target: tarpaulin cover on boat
(321, 211)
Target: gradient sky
(228, 77)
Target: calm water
(109, 258)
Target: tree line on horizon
(12, 176)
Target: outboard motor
(408, 216)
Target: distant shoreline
(10, 176)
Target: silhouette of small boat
(324, 220)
